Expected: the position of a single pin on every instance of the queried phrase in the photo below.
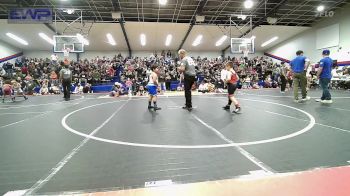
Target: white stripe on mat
(69, 156)
(245, 153)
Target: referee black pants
(66, 84)
(188, 80)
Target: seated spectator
(255, 85)
(203, 87)
(28, 77)
(117, 90)
(180, 87)
(247, 83)
(54, 89)
(211, 88)
(87, 88)
(96, 76)
(44, 90)
(78, 89)
(53, 78)
(268, 82)
(141, 91)
(128, 84)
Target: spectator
(283, 77)
(299, 66)
(87, 88)
(78, 89)
(119, 69)
(44, 90)
(203, 87)
(116, 90)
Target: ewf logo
(30, 15)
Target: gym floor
(92, 144)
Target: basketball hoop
(66, 52)
(245, 52)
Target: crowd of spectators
(41, 75)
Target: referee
(66, 79)
(187, 66)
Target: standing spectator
(290, 78)
(9, 70)
(283, 77)
(187, 67)
(299, 67)
(162, 77)
(66, 80)
(167, 81)
(324, 74)
(54, 59)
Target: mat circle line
(294, 134)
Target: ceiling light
(143, 39)
(248, 4)
(269, 41)
(163, 2)
(18, 39)
(46, 38)
(82, 39)
(198, 40)
(168, 40)
(320, 8)
(69, 11)
(111, 39)
(221, 40)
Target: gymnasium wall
(309, 40)
(8, 52)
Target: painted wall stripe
(10, 57)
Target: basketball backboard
(242, 45)
(71, 42)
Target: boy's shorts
(231, 88)
(152, 90)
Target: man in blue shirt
(299, 66)
(325, 75)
